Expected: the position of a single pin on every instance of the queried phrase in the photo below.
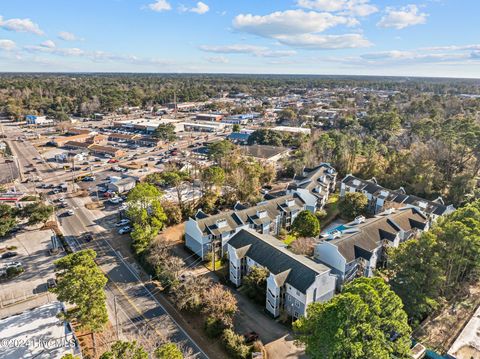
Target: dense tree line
(61, 94)
(437, 266)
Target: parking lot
(32, 248)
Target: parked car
(8, 255)
(112, 160)
(87, 237)
(107, 156)
(250, 337)
(89, 179)
(122, 223)
(14, 265)
(108, 194)
(115, 200)
(70, 212)
(124, 230)
(51, 283)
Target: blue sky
(357, 37)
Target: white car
(13, 265)
(116, 200)
(122, 223)
(123, 207)
(70, 212)
(126, 229)
(107, 156)
(61, 199)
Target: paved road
(138, 307)
(132, 296)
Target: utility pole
(175, 105)
(73, 174)
(116, 316)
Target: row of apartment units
(295, 281)
(309, 191)
(350, 250)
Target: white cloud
(259, 51)
(48, 44)
(200, 8)
(359, 8)
(7, 45)
(160, 5)
(414, 56)
(453, 47)
(289, 22)
(319, 42)
(403, 17)
(218, 60)
(20, 25)
(322, 5)
(67, 36)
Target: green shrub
(214, 327)
(235, 344)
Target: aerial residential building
(380, 198)
(317, 181)
(278, 210)
(354, 249)
(294, 281)
(266, 217)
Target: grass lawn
(332, 210)
(218, 265)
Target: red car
(112, 160)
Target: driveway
(276, 337)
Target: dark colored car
(88, 237)
(251, 337)
(51, 283)
(8, 255)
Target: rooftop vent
(221, 223)
(261, 214)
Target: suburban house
(278, 210)
(294, 281)
(355, 248)
(380, 198)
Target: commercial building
(122, 185)
(39, 333)
(38, 120)
(62, 140)
(106, 150)
(241, 119)
(204, 126)
(294, 281)
(147, 125)
(294, 130)
(267, 153)
(209, 117)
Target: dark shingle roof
(369, 235)
(269, 252)
(397, 196)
